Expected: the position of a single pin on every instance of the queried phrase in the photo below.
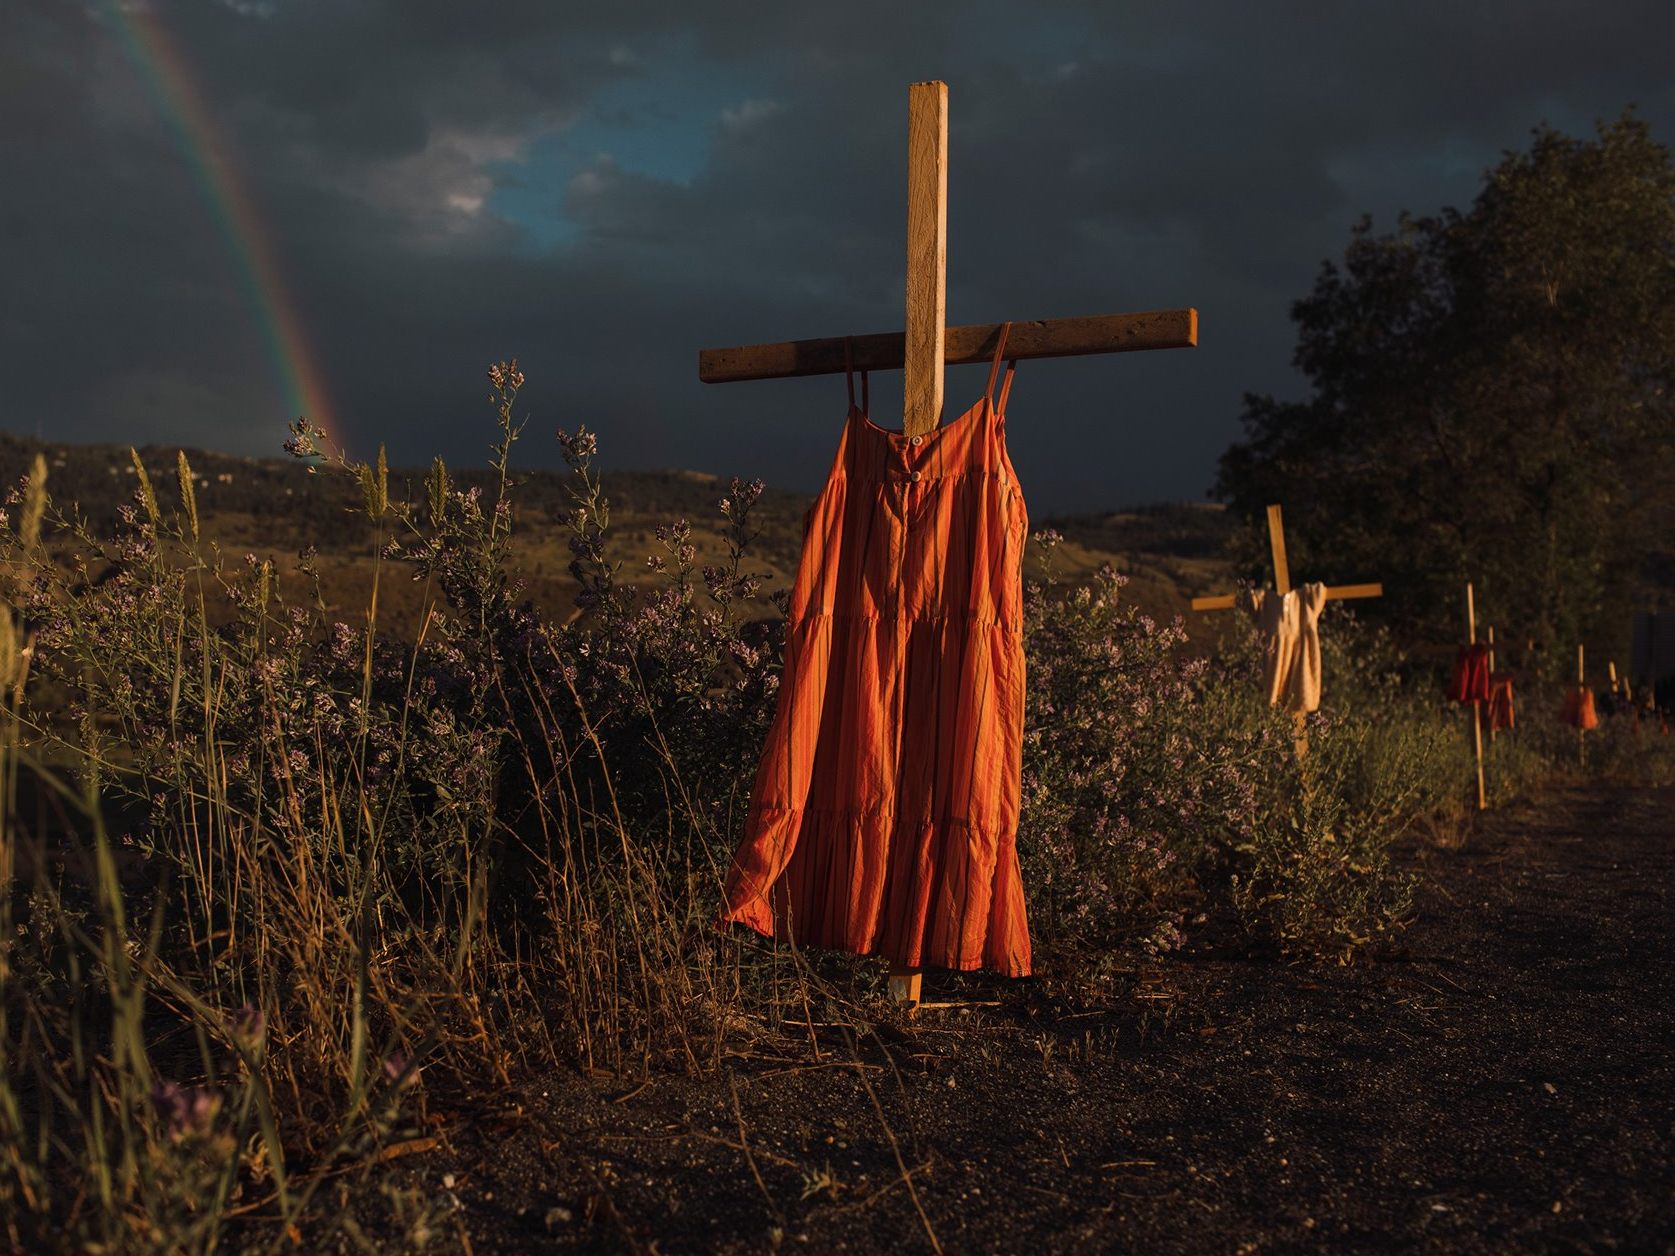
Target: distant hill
(275, 507)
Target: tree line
(1491, 401)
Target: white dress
(1289, 627)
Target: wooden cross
(927, 345)
(1282, 584)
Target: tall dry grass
(279, 870)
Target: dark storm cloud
(1104, 157)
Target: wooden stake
(1476, 707)
(904, 986)
(927, 254)
(1581, 682)
(1491, 676)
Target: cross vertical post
(1282, 586)
(1276, 544)
(1581, 683)
(927, 255)
(927, 312)
(1476, 707)
(1491, 640)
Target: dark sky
(604, 189)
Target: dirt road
(1507, 1082)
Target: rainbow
(168, 79)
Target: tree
(1491, 399)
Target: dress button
(918, 440)
(915, 477)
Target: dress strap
(994, 367)
(1006, 386)
(849, 374)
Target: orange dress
(885, 812)
(1579, 709)
(1499, 710)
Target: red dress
(1470, 682)
(885, 811)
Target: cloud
(603, 190)
(748, 114)
(441, 190)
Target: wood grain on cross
(927, 344)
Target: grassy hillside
(275, 508)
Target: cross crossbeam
(1334, 593)
(975, 343)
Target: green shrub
(1313, 872)
(1130, 783)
